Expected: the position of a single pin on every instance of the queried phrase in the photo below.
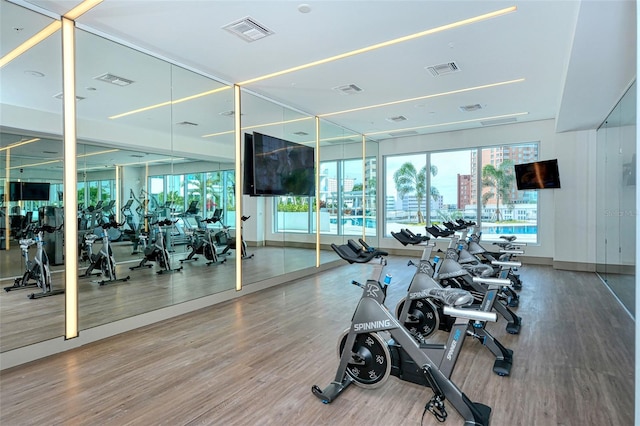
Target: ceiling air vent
(348, 89)
(470, 108)
(397, 119)
(186, 123)
(403, 133)
(301, 133)
(248, 29)
(229, 113)
(114, 79)
(499, 121)
(442, 69)
(59, 96)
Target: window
(473, 184)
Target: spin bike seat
(452, 296)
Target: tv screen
(35, 191)
(537, 175)
(280, 167)
(247, 184)
(15, 191)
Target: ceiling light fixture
(19, 143)
(81, 9)
(43, 34)
(450, 123)
(177, 101)
(385, 44)
(451, 92)
(277, 123)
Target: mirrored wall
(616, 200)
(156, 184)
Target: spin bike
(37, 269)
(423, 315)
(367, 358)
(224, 238)
(103, 260)
(157, 252)
(202, 243)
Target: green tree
(410, 181)
(499, 180)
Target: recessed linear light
(386, 44)
(17, 144)
(257, 126)
(450, 123)
(451, 92)
(42, 35)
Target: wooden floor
(252, 361)
(24, 321)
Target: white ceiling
(576, 59)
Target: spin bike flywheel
(425, 315)
(371, 360)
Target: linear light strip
(449, 123)
(167, 103)
(277, 123)
(19, 144)
(364, 186)
(385, 44)
(451, 92)
(81, 9)
(70, 178)
(317, 174)
(37, 38)
(238, 188)
(6, 198)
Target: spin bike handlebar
(347, 253)
(165, 222)
(406, 237)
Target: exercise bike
(202, 243)
(224, 238)
(36, 269)
(103, 260)
(157, 252)
(423, 315)
(367, 357)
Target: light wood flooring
(253, 360)
(24, 321)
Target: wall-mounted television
(29, 191)
(274, 167)
(537, 175)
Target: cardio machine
(202, 243)
(36, 269)
(157, 252)
(367, 357)
(103, 260)
(423, 315)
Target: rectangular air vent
(499, 121)
(442, 69)
(470, 108)
(403, 133)
(229, 113)
(248, 29)
(397, 119)
(348, 89)
(59, 96)
(301, 133)
(114, 79)
(186, 123)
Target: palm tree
(500, 181)
(408, 181)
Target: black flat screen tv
(275, 167)
(537, 175)
(29, 191)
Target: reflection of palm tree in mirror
(410, 181)
(499, 180)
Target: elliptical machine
(367, 358)
(36, 269)
(157, 252)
